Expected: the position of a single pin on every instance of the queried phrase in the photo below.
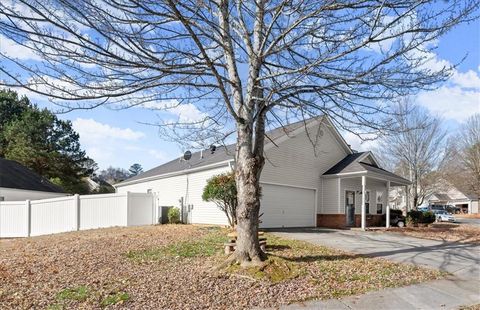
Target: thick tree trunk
(248, 169)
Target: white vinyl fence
(78, 212)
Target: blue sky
(118, 138)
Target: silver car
(443, 216)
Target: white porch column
(388, 206)
(407, 201)
(364, 215)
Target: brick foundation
(339, 221)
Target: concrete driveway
(461, 260)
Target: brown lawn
(444, 232)
(170, 267)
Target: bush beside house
(415, 217)
(174, 216)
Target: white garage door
(285, 206)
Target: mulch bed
(93, 269)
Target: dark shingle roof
(199, 159)
(14, 175)
(345, 165)
(222, 153)
(382, 171)
(351, 163)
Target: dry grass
(473, 307)
(169, 267)
(443, 232)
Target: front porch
(356, 194)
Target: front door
(350, 207)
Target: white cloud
(451, 102)
(188, 113)
(469, 79)
(92, 130)
(118, 147)
(458, 98)
(15, 50)
(358, 144)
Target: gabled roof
(441, 196)
(346, 164)
(199, 159)
(16, 176)
(352, 164)
(226, 153)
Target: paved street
(461, 260)
(469, 221)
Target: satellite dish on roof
(213, 148)
(187, 155)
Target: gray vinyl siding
(297, 162)
(373, 186)
(190, 186)
(330, 194)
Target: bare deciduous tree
(417, 151)
(463, 167)
(245, 65)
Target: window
(379, 202)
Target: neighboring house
(469, 203)
(302, 185)
(92, 185)
(398, 199)
(20, 183)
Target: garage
(287, 206)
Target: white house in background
(304, 184)
(467, 202)
(20, 183)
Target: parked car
(396, 219)
(423, 209)
(449, 208)
(443, 216)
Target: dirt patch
(170, 267)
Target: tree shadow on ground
(278, 247)
(314, 258)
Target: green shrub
(428, 217)
(173, 216)
(222, 190)
(419, 217)
(414, 217)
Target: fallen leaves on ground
(163, 267)
(445, 232)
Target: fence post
(76, 198)
(29, 217)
